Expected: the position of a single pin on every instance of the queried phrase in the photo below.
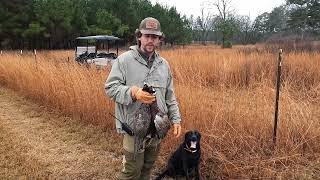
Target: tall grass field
(226, 94)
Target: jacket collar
(145, 55)
(139, 57)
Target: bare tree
(225, 15)
(205, 22)
(224, 18)
(224, 8)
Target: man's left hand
(176, 130)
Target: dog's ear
(197, 134)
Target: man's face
(149, 42)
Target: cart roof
(99, 37)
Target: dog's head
(192, 140)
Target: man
(131, 70)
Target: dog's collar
(189, 150)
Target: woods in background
(54, 24)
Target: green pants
(139, 167)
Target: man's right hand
(141, 95)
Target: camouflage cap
(150, 26)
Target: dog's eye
(198, 134)
(188, 134)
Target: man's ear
(163, 37)
(137, 33)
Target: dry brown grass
(38, 143)
(74, 90)
(227, 94)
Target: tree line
(296, 19)
(54, 24)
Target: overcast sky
(253, 8)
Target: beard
(149, 48)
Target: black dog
(185, 160)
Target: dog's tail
(162, 175)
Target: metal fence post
(278, 82)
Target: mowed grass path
(36, 143)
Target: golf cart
(95, 50)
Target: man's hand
(176, 130)
(141, 95)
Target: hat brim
(144, 31)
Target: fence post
(278, 82)
(35, 55)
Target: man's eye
(151, 36)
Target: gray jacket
(130, 69)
